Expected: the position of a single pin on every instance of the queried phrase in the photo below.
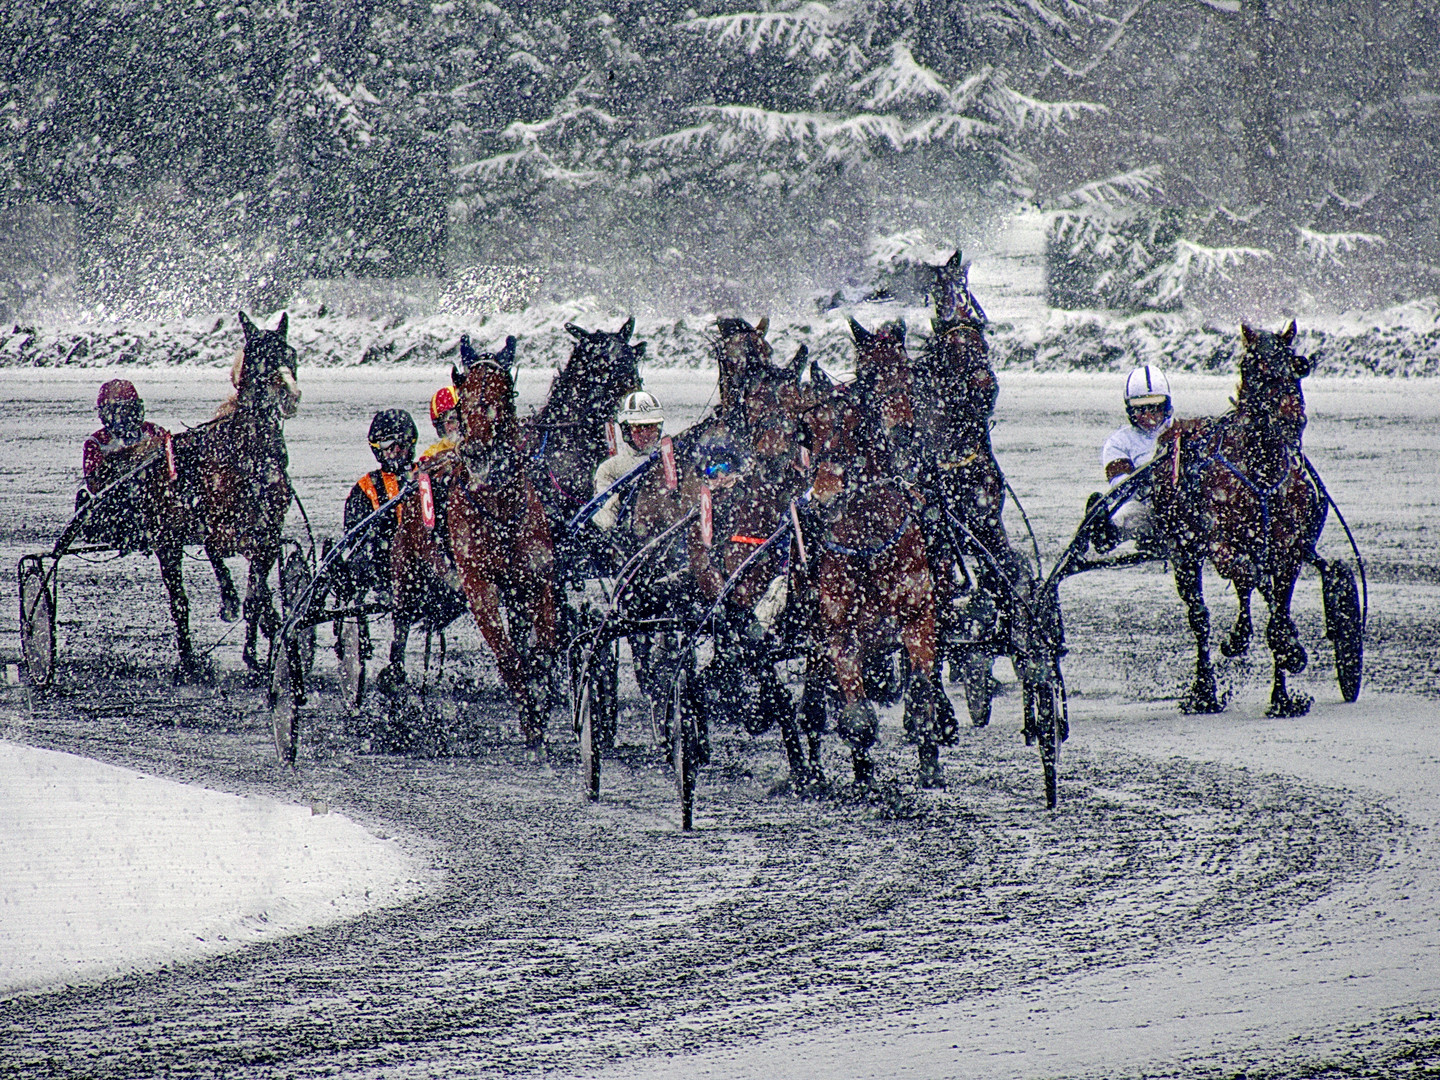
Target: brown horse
(1234, 490)
(565, 440)
(956, 390)
(868, 568)
(230, 492)
(750, 500)
(498, 534)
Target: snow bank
(1399, 341)
(104, 871)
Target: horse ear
(763, 325)
(956, 261)
(797, 363)
(900, 326)
(1287, 335)
(457, 377)
(640, 349)
(1247, 335)
(249, 327)
(284, 324)
(858, 332)
(468, 356)
(506, 356)
(628, 329)
(575, 331)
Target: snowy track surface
(1214, 896)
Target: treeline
(217, 152)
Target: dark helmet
(392, 426)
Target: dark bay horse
(498, 535)
(1234, 490)
(230, 493)
(956, 391)
(868, 568)
(565, 440)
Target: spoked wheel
(1344, 625)
(1044, 725)
(684, 747)
(284, 711)
(585, 728)
(295, 577)
(349, 651)
(37, 623)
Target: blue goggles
(712, 469)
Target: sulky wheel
(284, 713)
(684, 747)
(1044, 726)
(350, 641)
(37, 623)
(585, 729)
(1344, 625)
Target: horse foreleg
(229, 595)
(485, 607)
(189, 668)
(260, 615)
(1201, 697)
(1238, 640)
(1284, 641)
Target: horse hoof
(1230, 648)
(1203, 703)
(932, 776)
(389, 680)
(1290, 706)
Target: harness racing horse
(735, 548)
(566, 440)
(230, 493)
(498, 535)
(1235, 490)
(956, 390)
(869, 570)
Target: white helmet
(639, 408)
(1146, 386)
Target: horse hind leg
(1237, 642)
(229, 595)
(1202, 696)
(259, 608)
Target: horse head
(1270, 358)
(771, 400)
(265, 379)
(488, 425)
(954, 302)
(603, 367)
(885, 376)
(738, 347)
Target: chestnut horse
(1234, 490)
(498, 535)
(869, 569)
(230, 493)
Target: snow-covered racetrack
(1215, 894)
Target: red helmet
(443, 401)
(116, 390)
